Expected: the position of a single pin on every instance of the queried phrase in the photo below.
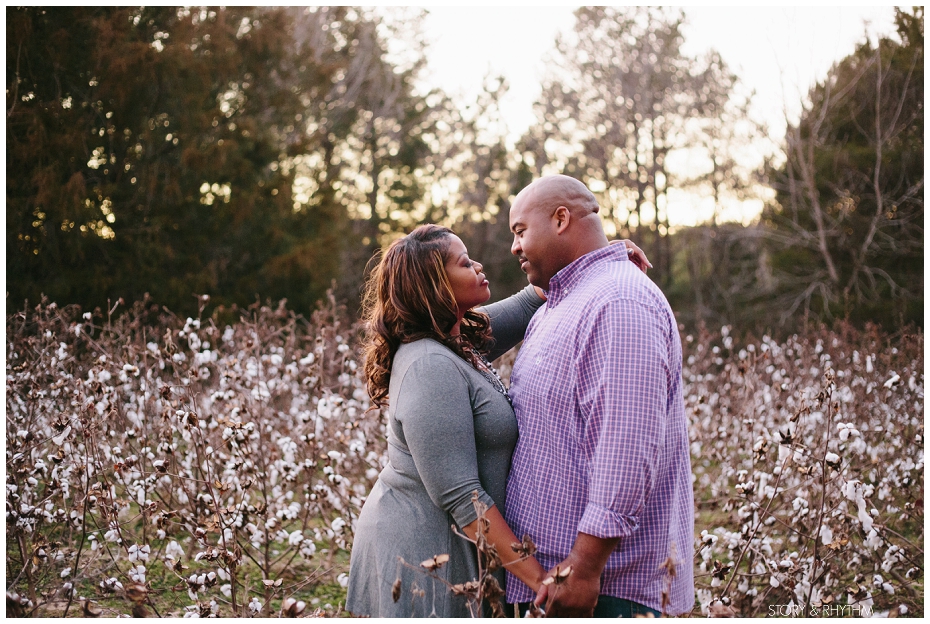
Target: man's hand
(574, 595)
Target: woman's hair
(408, 297)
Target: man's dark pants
(607, 607)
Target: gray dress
(450, 433)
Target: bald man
(601, 475)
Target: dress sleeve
(434, 409)
(622, 391)
(509, 319)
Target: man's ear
(562, 217)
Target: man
(601, 475)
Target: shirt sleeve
(434, 409)
(623, 394)
(510, 318)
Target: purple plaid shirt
(603, 445)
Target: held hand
(571, 595)
(637, 256)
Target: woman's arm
(501, 537)
(510, 317)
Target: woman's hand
(637, 256)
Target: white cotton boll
(895, 378)
(784, 452)
(65, 572)
(343, 579)
(832, 458)
(295, 538)
(774, 581)
(864, 517)
(826, 535)
(60, 438)
(704, 597)
(849, 490)
(174, 551)
(307, 548)
(137, 574)
(902, 609)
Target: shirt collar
(563, 282)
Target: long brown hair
(408, 297)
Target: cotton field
(164, 466)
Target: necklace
(490, 373)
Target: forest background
(257, 154)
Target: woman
(451, 428)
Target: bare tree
(850, 194)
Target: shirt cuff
(604, 523)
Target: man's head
(554, 222)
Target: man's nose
(515, 247)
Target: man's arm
(621, 390)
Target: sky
(779, 52)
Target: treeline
(267, 153)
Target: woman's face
(469, 284)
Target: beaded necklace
(491, 374)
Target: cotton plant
(147, 448)
(808, 446)
(182, 449)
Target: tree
(622, 98)
(849, 214)
(142, 146)
(236, 152)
